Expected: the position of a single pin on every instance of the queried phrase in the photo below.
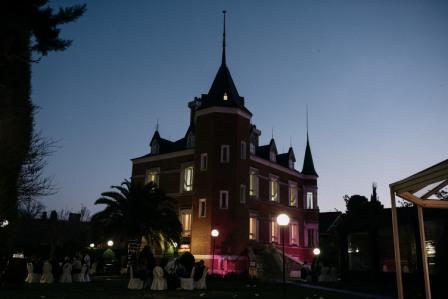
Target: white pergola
(418, 189)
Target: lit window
(204, 160)
(243, 150)
(223, 199)
(272, 156)
(202, 207)
(311, 235)
(309, 201)
(225, 98)
(225, 149)
(291, 163)
(253, 228)
(242, 193)
(293, 194)
(273, 189)
(252, 148)
(152, 175)
(188, 179)
(185, 219)
(293, 233)
(253, 183)
(274, 231)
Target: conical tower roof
(308, 164)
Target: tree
(32, 183)
(361, 216)
(134, 210)
(27, 27)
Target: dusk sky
(374, 75)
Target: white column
(396, 236)
(421, 227)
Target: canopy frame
(407, 189)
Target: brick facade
(220, 126)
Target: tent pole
(396, 236)
(421, 227)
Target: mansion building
(222, 178)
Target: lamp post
(110, 243)
(283, 221)
(215, 234)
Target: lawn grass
(114, 288)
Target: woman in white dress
(66, 276)
(47, 275)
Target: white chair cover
(187, 283)
(47, 275)
(135, 283)
(30, 269)
(66, 276)
(201, 283)
(85, 277)
(158, 282)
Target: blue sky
(374, 75)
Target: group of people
(161, 274)
(17, 270)
(317, 272)
(76, 269)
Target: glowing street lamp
(316, 251)
(92, 245)
(4, 223)
(283, 221)
(215, 234)
(110, 243)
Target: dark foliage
(26, 26)
(135, 210)
(361, 216)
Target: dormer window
(155, 148)
(190, 140)
(225, 98)
(272, 156)
(291, 163)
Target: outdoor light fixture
(91, 245)
(4, 223)
(214, 234)
(110, 243)
(175, 244)
(283, 221)
(316, 251)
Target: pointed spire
(157, 125)
(224, 40)
(307, 121)
(308, 164)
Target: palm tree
(134, 210)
